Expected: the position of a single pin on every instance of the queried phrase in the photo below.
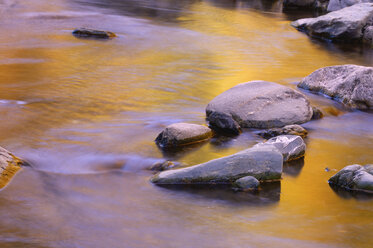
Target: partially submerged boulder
(354, 177)
(9, 166)
(257, 104)
(317, 113)
(91, 33)
(350, 84)
(340, 4)
(263, 163)
(181, 134)
(345, 25)
(289, 129)
(163, 165)
(247, 183)
(291, 147)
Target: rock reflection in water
(269, 193)
(351, 194)
(293, 168)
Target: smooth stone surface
(91, 33)
(350, 84)
(246, 183)
(345, 25)
(368, 35)
(263, 163)
(9, 165)
(258, 104)
(354, 177)
(340, 4)
(291, 147)
(180, 134)
(289, 129)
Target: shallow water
(85, 113)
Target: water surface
(85, 113)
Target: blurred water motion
(85, 114)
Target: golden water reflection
(81, 109)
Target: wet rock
(368, 35)
(9, 165)
(340, 4)
(316, 114)
(163, 165)
(258, 104)
(349, 84)
(180, 134)
(354, 177)
(91, 33)
(345, 25)
(224, 123)
(291, 147)
(246, 183)
(289, 129)
(263, 163)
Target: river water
(85, 113)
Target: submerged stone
(246, 183)
(91, 33)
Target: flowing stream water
(84, 113)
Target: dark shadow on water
(165, 10)
(170, 10)
(179, 152)
(268, 194)
(293, 168)
(348, 194)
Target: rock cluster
(350, 84)
(351, 24)
(354, 177)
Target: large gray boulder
(345, 25)
(258, 104)
(349, 84)
(9, 166)
(340, 4)
(354, 177)
(291, 147)
(180, 134)
(263, 163)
